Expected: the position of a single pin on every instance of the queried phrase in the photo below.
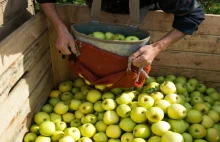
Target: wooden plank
(23, 64)
(24, 117)
(188, 60)
(196, 43)
(21, 92)
(203, 75)
(16, 43)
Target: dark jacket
(188, 14)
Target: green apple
(93, 96)
(108, 95)
(154, 139)
(75, 123)
(187, 124)
(199, 140)
(65, 87)
(42, 139)
(197, 131)
(172, 137)
(74, 104)
(217, 126)
(190, 87)
(133, 104)
(100, 87)
(201, 107)
(34, 129)
(66, 139)
(138, 140)
(173, 98)
(131, 38)
(98, 106)
(160, 79)
(116, 91)
(75, 90)
(209, 99)
(213, 135)
(138, 115)
(66, 96)
(213, 115)
(216, 103)
(207, 122)
(118, 37)
(79, 82)
(72, 131)
(55, 117)
(78, 114)
(142, 131)
(187, 137)
(84, 89)
(55, 94)
(193, 116)
(100, 116)
(108, 35)
(210, 90)
(149, 80)
(48, 108)
(127, 137)
(177, 126)
(57, 135)
(54, 101)
(201, 87)
(176, 111)
(158, 128)
(85, 139)
(170, 77)
(151, 87)
(86, 107)
(187, 105)
(123, 110)
(168, 87)
(207, 105)
(195, 100)
(180, 79)
(30, 137)
(100, 137)
(101, 126)
(61, 108)
(155, 114)
(113, 131)
(110, 117)
(108, 104)
(145, 101)
(193, 81)
(157, 96)
(90, 118)
(127, 124)
(163, 104)
(40, 117)
(215, 96)
(47, 128)
(60, 126)
(180, 88)
(195, 94)
(98, 34)
(216, 108)
(68, 117)
(124, 98)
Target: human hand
(65, 39)
(145, 55)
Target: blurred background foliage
(209, 6)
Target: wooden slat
(196, 43)
(23, 64)
(21, 92)
(24, 117)
(207, 76)
(16, 43)
(188, 60)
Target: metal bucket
(122, 48)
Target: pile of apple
(111, 36)
(165, 109)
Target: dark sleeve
(188, 14)
(46, 1)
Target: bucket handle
(136, 14)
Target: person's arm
(186, 21)
(64, 38)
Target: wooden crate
(30, 65)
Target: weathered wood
(196, 43)
(207, 76)
(23, 118)
(188, 60)
(16, 43)
(22, 91)
(23, 64)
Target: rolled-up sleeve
(188, 15)
(46, 1)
